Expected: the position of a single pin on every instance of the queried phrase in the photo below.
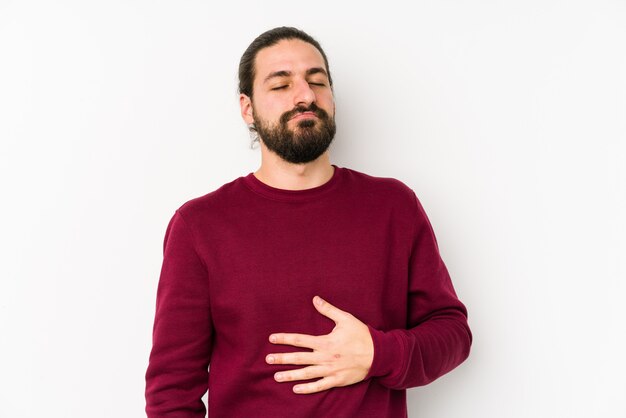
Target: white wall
(507, 119)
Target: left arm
(437, 340)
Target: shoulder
(388, 188)
(213, 202)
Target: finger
(297, 340)
(293, 358)
(311, 372)
(314, 387)
(329, 310)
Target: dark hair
(267, 39)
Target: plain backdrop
(507, 118)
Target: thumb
(329, 310)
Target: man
(310, 290)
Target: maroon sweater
(246, 260)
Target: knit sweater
(245, 261)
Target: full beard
(305, 143)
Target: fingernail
(270, 359)
(318, 301)
(278, 376)
(297, 389)
(272, 338)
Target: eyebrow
(283, 73)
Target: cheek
(328, 103)
(271, 110)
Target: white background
(508, 119)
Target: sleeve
(438, 337)
(177, 373)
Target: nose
(304, 95)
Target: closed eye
(285, 86)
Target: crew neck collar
(268, 191)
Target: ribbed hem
(270, 192)
(387, 352)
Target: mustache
(313, 108)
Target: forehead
(287, 55)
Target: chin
(308, 123)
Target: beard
(305, 143)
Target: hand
(340, 358)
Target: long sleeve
(437, 338)
(177, 373)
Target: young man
(310, 290)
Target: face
(293, 107)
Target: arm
(177, 374)
(437, 338)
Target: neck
(278, 173)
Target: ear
(245, 104)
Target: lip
(305, 115)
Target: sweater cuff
(387, 353)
